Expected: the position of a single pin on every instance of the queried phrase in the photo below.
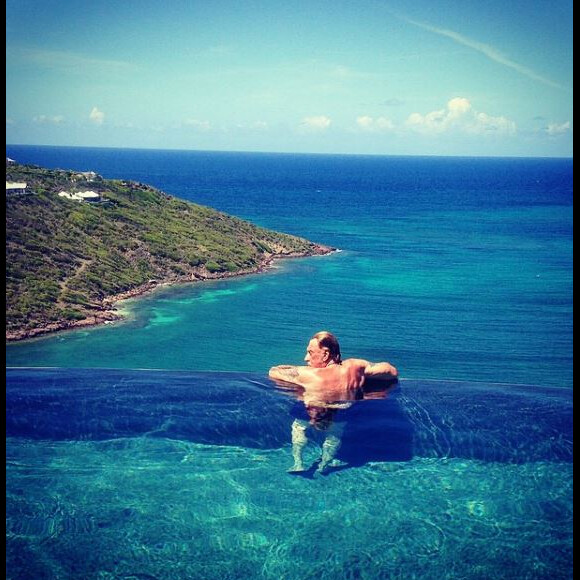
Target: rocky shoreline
(107, 312)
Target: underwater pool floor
(140, 474)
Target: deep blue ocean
(157, 447)
(451, 268)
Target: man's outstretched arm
(382, 370)
(288, 373)
(370, 370)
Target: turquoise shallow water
(451, 268)
(139, 474)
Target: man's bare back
(327, 377)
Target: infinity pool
(116, 474)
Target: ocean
(450, 268)
(157, 447)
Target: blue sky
(418, 77)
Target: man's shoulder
(291, 373)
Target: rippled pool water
(142, 474)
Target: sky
(396, 77)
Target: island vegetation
(69, 261)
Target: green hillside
(66, 258)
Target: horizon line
(261, 152)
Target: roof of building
(15, 185)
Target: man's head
(323, 349)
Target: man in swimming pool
(329, 383)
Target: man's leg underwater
(330, 447)
(299, 441)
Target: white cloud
(558, 129)
(460, 116)
(458, 106)
(96, 116)
(70, 62)
(485, 49)
(365, 122)
(380, 124)
(48, 119)
(485, 123)
(433, 122)
(316, 123)
(197, 125)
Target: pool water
(128, 474)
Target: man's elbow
(388, 371)
(384, 371)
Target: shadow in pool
(504, 423)
(377, 430)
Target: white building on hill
(16, 188)
(90, 196)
